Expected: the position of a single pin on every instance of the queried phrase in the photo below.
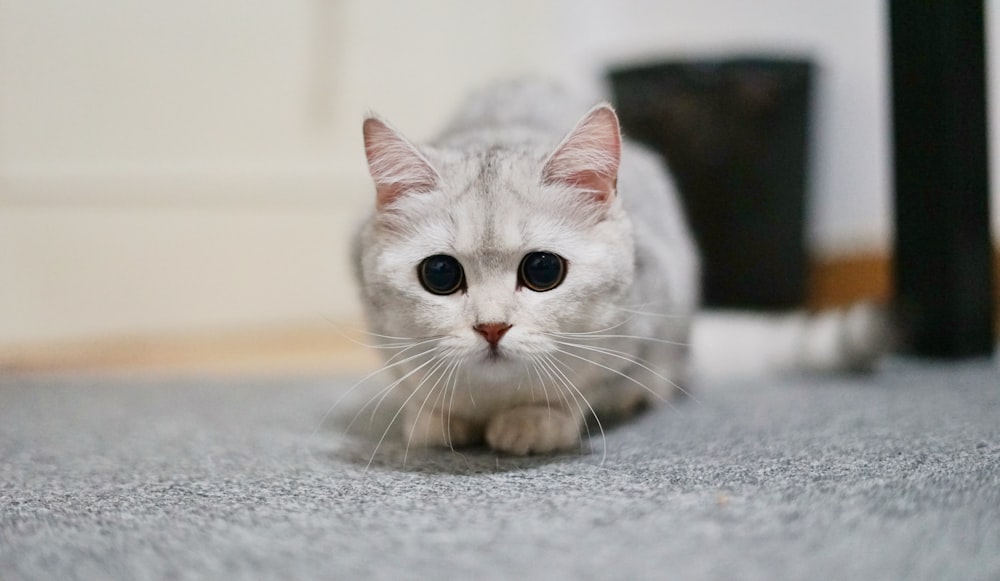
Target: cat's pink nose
(493, 332)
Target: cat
(530, 270)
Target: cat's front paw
(533, 430)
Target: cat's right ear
(395, 164)
(588, 158)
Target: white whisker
(402, 340)
(639, 309)
(545, 392)
(385, 367)
(653, 392)
(442, 361)
(384, 392)
(637, 361)
(605, 329)
(574, 389)
(552, 372)
(451, 398)
(402, 406)
(472, 396)
(595, 337)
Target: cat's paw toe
(532, 430)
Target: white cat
(527, 274)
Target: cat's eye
(441, 274)
(542, 271)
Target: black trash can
(735, 136)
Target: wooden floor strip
(288, 350)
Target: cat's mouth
(494, 355)
(498, 364)
(498, 356)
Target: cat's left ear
(396, 166)
(588, 158)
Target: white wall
(993, 90)
(188, 165)
(191, 165)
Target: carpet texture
(889, 476)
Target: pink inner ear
(588, 158)
(395, 164)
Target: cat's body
(513, 197)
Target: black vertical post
(944, 270)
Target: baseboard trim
(842, 280)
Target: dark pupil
(542, 271)
(441, 274)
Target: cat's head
(496, 249)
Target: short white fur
(524, 168)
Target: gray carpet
(891, 476)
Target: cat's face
(497, 252)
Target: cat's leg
(437, 428)
(534, 429)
